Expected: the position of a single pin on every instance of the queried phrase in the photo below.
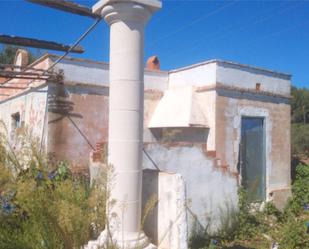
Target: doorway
(252, 158)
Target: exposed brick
(153, 63)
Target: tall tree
(300, 105)
(8, 52)
(300, 122)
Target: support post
(127, 19)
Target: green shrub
(45, 206)
(294, 234)
(300, 140)
(300, 190)
(251, 228)
(247, 222)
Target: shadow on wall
(58, 104)
(150, 188)
(60, 107)
(196, 135)
(166, 223)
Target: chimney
(2, 79)
(21, 58)
(153, 63)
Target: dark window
(16, 121)
(258, 86)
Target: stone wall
(230, 108)
(77, 121)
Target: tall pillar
(127, 19)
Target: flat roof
(218, 61)
(235, 64)
(92, 62)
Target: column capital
(126, 10)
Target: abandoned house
(208, 128)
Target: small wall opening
(258, 86)
(16, 122)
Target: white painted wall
(166, 223)
(97, 73)
(157, 80)
(209, 192)
(86, 73)
(179, 107)
(203, 74)
(231, 74)
(31, 107)
(246, 77)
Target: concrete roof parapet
(235, 65)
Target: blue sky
(269, 34)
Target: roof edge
(217, 61)
(73, 59)
(240, 65)
(23, 92)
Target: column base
(131, 241)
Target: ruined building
(208, 128)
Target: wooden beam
(35, 43)
(5, 66)
(23, 78)
(66, 6)
(21, 73)
(25, 75)
(13, 87)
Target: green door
(252, 157)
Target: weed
(249, 228)
(43, 205)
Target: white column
(127, 20)
(126, 109)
